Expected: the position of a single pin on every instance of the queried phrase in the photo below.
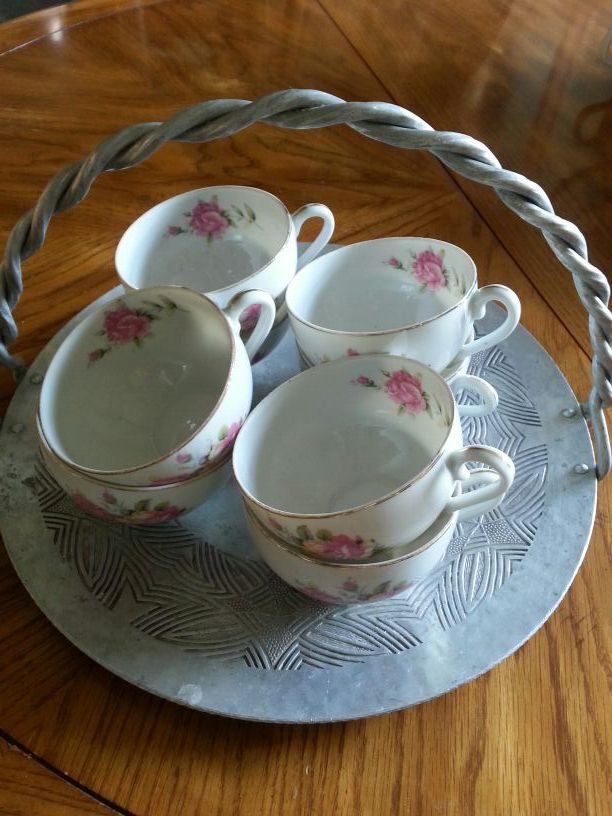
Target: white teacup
(364, 452)
(152, 386)
(151, 504)
(459, 380)
(417, 297)
(220, 241)
(339, 582)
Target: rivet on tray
(18, 427)
(36, 379)
(581, 468)
(568, 413)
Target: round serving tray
(187, 611)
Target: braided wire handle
(304, 109)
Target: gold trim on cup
(192, 293)
(410, 326)
(320, 562)
(374, 502)
(216, 187)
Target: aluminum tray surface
(187, 611)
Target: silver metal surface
(188, 612)
(303, 109)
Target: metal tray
(188, 612)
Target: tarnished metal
(304, 109)
(189, 612)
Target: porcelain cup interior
(136, 379)
(208, 239)
(341, 435)
(381, 285)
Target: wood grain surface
(534, 735)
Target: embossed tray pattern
(189, 612)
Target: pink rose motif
(157, 515)
(428, 270)
(97, 354)
(124, 324)
(394, 263)
(174, 231)
(182, 458)
(405, 389)
(249, 317)
(206, 219)
(363, 380)
(351, 352)
(89, 507)
(350, 585)
(274, 523)
(228, 439)
(338, 546)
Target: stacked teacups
(359, 462)
(142, 402)
(354, 474)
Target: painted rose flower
(89, 507)
(394, 263)
(157, 515)
(428, 269)
(318, 595)
(207, 219)
(338, 546)
(363, 380)
(249, 317)
(351, 352)
(123, 325)
(183, 457)
(227, 436)
(274, 523)
(405, 389)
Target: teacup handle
(265, 319)
(488, 395)
(477, 308)
(483, 497)
(322, 239)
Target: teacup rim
(379, 332)
(230, 286)
(373, 502)
(118, 488)
(319, 562)
(90, 318)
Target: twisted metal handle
(304, 109)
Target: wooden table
(533, 736)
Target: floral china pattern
(143, 512)
(315, 359)
(124, 325)
(350, 591)
(191, 463)
(430, 272)
(324, 543)
(207, 219)
(406, 390)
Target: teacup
(152, 386)
(150, 504)
(459, 380)
(367, 450)
(338, 582)
(417, 297)
(219, 241)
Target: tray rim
(381, 665)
